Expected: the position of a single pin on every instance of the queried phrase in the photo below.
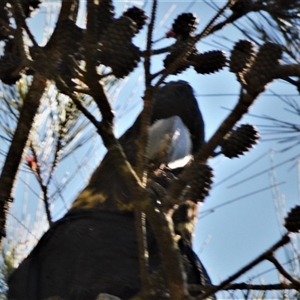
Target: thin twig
(140, 169)
(22, 20)
(43, 186)
(91, 75)
(248, 287)
(156, 51)
(148, 99)
(65, 90)
(282, 271)
(14, 154)
(283, 241)
(19, 39)
(28, 112)
(208, 28)
(147, 63)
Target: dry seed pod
(137, 15)
(239, 141)
(184, 26)
(262, 70)
(9, 65)
(241, 56)
(209, 62)
(116, 49)
(105, 14)
(292, 221)
(178, 50)
(240, 7)
(200, 181)
(73, 40)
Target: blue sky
(231, 235)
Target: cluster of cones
(254, 70)
(10, 61)
(114, 44)
(183, 30)
(116, 49)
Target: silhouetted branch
(282, 271)
(44, 187)
(147, 63)
(249, 287)
(91, 74)
(284, 71)
(223, 285)
(27, 114)
(209, 27)
(249, 6)
(79, 105)
(14, 155)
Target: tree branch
(105, 129)
(282, 271)
(248, 287)
(223, 285)
(14, 155)
(284, 71)
(43, 186)
(27, 114)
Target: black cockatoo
(93, 248)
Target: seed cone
(240, 7)
(177, 51)
(116, 49)
(292, 221)
(138, 16)
(239, 141)
(184, 25)
(9, 65)
(262, 70)
(209, 62)
(241, 56)
(67, 41)
(105, 14)
(200, 181)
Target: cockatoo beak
(169, 143)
